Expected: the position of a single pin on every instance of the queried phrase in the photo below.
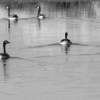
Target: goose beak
(6, 42)
(9, 42)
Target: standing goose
(4, 55)
(39, 14)
(66, 41)
(13, 17)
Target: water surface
(40, 68)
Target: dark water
(40, 68)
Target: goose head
(6, 42)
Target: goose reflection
(4, 64)
(8, 25)
(67, 49)
(39, 23)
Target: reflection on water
(39, 67)
(4, 64)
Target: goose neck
(4, 48)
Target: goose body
(13, 17)
(66, 41)
(39, 14)
(4, 55)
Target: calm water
(41, 69)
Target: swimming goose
(66, 41)
(4, 55)
(39, 15)
(13, 17)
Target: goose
(66, 41)
(4, 55)
(39, 14)
(13, 17)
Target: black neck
(8, 11)
(39, 10)
(4, 48)
(65, 36)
